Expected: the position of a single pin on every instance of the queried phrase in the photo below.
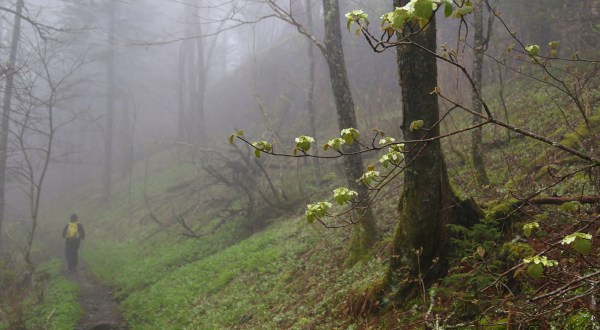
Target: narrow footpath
(101, 311)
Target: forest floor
(100, 310)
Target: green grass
(59, 309)
(257, 283)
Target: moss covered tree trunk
(366, 232)
(428, 203)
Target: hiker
(73, 234)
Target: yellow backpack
(72, 231)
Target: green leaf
(529, 227)
(316, 211)
(448, 9)
(582, 245)
(263, 146)
(424, 9)
(304, 142)
(416, 125)
(535, 270)
(463, 11)
(480, 251)
(343, 195)
(386, 140)
(239, 132)
(356, 16)
(369, 176)
(350, 135)
(580, 242)
(257, 153)
(335, 144)
(533, 50)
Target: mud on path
(100, 310)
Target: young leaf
(480, 251)
(582, 245)
(335, 144)
(304, 142)
(424, 9)
(535, 270)
(529, 227)
(369, 176)
(343, 195)
(350, 135)
(580, 242)
(416, 125)
(533, 50)
(448, 9)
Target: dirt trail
(101, 311)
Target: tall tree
(365, 234)
(479, 46)
(193, 77)
(428, 203)
(310, 89)
(110, 102)
(331, 49)
(6, 106)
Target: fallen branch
(564, 199)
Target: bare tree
(110, 102)
(479, 45)
(6, 106)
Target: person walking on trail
(73, 233)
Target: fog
(127, 78)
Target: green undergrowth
(154, 258)
(58, 307)
(289, 276)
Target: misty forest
(299, 164)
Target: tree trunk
(365, 234)
(110, 103)
(428, 204)
(181, 106)
(476, 134)
(201, 71)
(310, 91)
(6, 108)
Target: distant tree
(6, 106)
(310, 88)
(479, 47)
(111, 85)
(192, 78)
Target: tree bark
(364, 234)
(476, 134)
(428, 203)
(6, 107)
(110, 103)
(310, 90)
(201, 69)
